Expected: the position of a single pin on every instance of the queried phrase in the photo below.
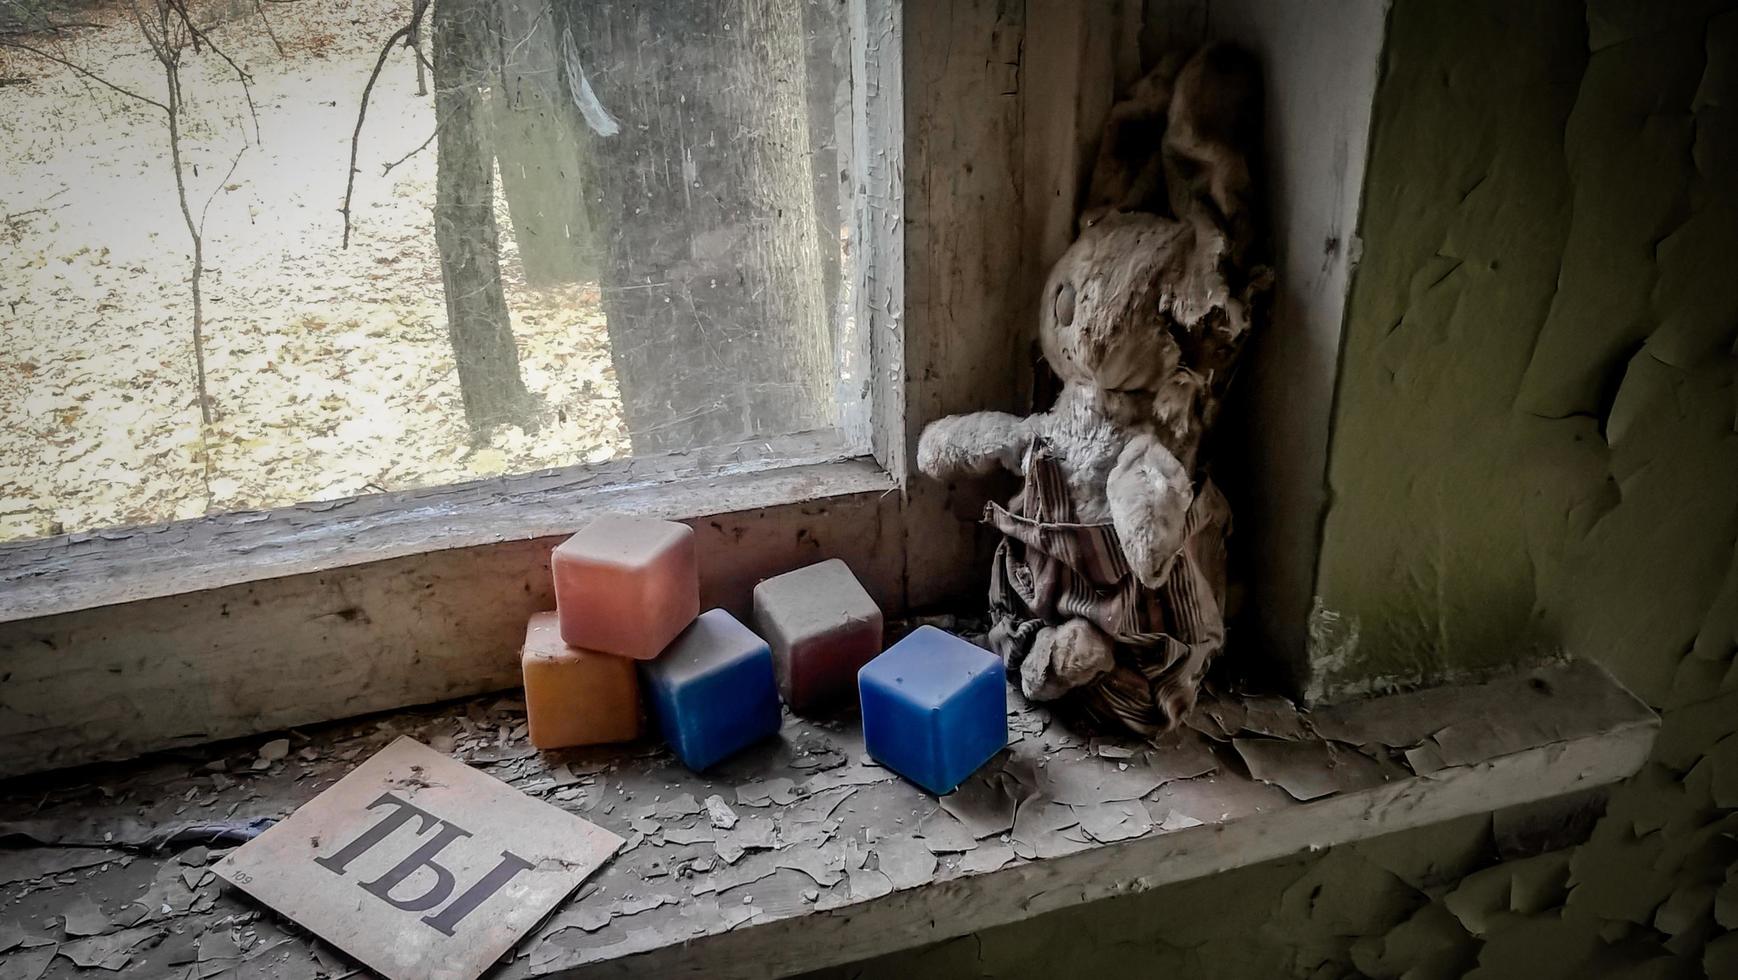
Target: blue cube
(712, 690)
(935, 708)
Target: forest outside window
(264, 253)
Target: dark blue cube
(935, 708)
(712, 690)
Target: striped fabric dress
(1049, 569)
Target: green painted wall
(1534, 445)
(1535, 449)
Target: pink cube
(626, 585)
(822, 627)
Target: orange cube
(574, 696)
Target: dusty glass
(261, 253)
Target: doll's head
(1102, 322)
(1149, 306)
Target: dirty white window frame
(115, 565)
(423, 585)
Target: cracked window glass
(263, 252)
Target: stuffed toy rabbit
(1108, 589)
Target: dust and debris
(1108, 823)
(720, 814)
(1215, 717)
(905, 860)
(1175, 820)
(1182, 754)
(83, 918)
(634, 906)
(804, 839)
(733, 917)
(780, 791)
(991, 856)
(37, 862)
(825, 866)
(943, 833)
(1041, 830)
(591, 920)
(1273, 716)
(1425, 758)
(816, 754)
(816, 807)
(273, 751)
(736, 876)
(1309, 770)
(868, 883)
(1066, 782)
(851, 775)
(985, 803)
(681, 805)
(751, 832)
(700, 833)
(111, 951)
(1114, 750)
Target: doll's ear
(1129, 172)
(1211, 136)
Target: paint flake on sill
(805, 842)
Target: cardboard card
(420, 866)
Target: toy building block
(626, 585)
(712, 690)
(822, 628)
(935, 708)
(574, 696)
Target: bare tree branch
(421, 59)
(404, 33)
(388, 168)
(220, 186)
(259, 8)
(179, 7)
(6, 42)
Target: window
(261, 254)
(243, 620)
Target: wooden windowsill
(94, 569)
(847, 870)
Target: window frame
(66, 573)
(413, 605)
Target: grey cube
(822, 627)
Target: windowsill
(650, 912)
(93, 569)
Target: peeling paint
(1533, 452)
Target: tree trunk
(539, 142)
(415, 41)
(705, 199)
(464, 217)
(828, 54)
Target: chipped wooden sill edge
(1537, 734)
(1610, 746)
(75, 572)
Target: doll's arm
(1149, 494)
(974, 444)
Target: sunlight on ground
(330, 370)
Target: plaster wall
(1534, 449)
(1320, 61)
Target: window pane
(577, 230)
